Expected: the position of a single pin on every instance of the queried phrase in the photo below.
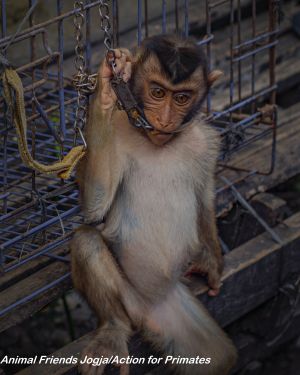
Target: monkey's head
(170, 81)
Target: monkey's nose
(160, 123)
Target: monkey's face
(168, 105)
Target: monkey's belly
(152, 229)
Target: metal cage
(39, 212)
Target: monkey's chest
(152, 225)
(156, 208)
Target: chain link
(83, 83)
(105, 24)
(79, 48)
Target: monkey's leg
(96, 275)
(182, 328)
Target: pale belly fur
(152, 225)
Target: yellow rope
(64, 167)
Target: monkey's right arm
(100, 174)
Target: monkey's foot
(105, 346)
(213, 278)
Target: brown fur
(157, 198)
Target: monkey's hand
(123, 62)
(212, 272)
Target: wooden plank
(269, 207)
(254, 271)
(22, 271)
(252, 275)
(266, 329)
(25, 287)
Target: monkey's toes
(91, 353)
(214, 286)
(96, 353)
(214, 292)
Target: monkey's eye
(181, 98)
(157, 92)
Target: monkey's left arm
(209, 260)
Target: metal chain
(80, 114)
(79, 48)
(105, 23)
(126, 100)
(105, 26)
(83, 83)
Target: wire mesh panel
(40, 211)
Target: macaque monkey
(148, 203)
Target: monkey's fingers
(106, 72)
(122, 58)
(213, 278)
(213, 292)
(119, 52)
(127, 71)
(214, 284)
(123, 67)
(93, 351)
(127, 53)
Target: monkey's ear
(213, 76)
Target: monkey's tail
(184, 330)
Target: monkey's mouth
(157, 132)
(159, 138)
